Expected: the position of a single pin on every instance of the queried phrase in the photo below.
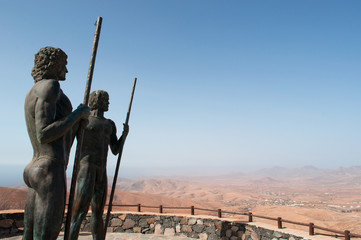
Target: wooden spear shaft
(80, 141)
(118, 163)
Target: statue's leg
(29, 215)
(49, 200)
(98, 203)
(83, 193)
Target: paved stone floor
(132, 236)
(120, 236)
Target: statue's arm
(47, 129)
(114, 142)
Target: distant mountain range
(307, 173)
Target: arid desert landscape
(328, 198)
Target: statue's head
(99, 99)
(49, 63)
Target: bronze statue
(52, 126)
(92, 184)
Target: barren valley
(328, 198)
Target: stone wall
(193, 226)
(198, 227)
(11, 224)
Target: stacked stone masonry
(11, 224)
(189, 226)
(198, 227)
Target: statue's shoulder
(112, 124)
(48, 89)
(110, 121)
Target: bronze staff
(118, 163)
(79, 145)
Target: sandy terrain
(328, 198)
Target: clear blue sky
(222, 85)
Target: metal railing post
(279, 222)
(250, 217)
(219, 213)
(311, 230)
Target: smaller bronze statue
(91, 186)
(52, 126)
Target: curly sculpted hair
(48, 63)
(96, 98)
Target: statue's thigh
(100, 193)
(85, 183)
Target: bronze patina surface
(91, 185)
(52, 126)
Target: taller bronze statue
(52, 126)
(99, 134)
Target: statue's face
(104, 102)
(63, 72)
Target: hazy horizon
(141, 173)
